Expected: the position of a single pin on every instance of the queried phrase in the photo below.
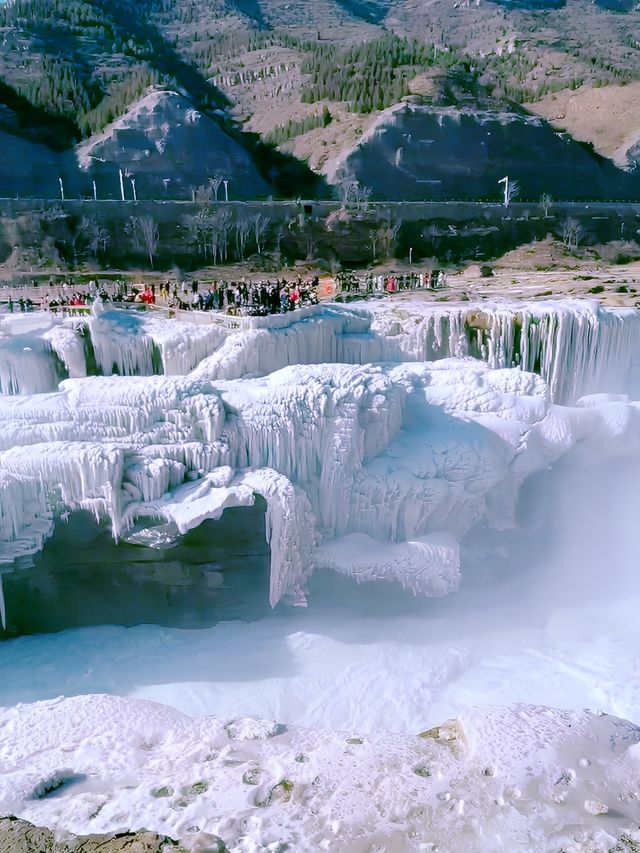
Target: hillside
(164, 127)
(307, 81)
(607, 117)
(445, 154)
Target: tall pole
(505, 181)
(133, 187)
(95, 192)
(410, 255)
(61, 189)
(226, 190)
(121, 184)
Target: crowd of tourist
(371, 283)
(243, 297)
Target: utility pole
(133, 188)
(505, 181)
(410, 255)
(121, 184)
(95, 192)
(226, 190)
(61, 189)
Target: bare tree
(278, 238)
(104, 237)
(382, 239)
(199, 230)
(352, 192)
(145, 234)
(95, 236)
(311, 246)
(346, 189)
(83, 237)
(432, 233)
(242, 229)
(260, 227)
(203, 194)
(545, 203)
(213, 237)
(372, 242)
(215, 185)
(361, 196)
(222, 223)
(572, 234)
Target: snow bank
(494, 779)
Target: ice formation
(372, 459)
(378, 436)
(576, 346)
(492, 780)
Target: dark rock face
(82, 577)
(422, 154)
(168, 146)
(20, 836)
(164, 143)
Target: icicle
(3, 611)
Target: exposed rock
(20, 836)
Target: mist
(546, 614)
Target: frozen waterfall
(377, 436)
(576, 346)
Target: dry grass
(608, 117)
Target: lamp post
(121, 184)
(226, 190)
(95, 191)
(61, 188)
(133, 188)
(505, 181)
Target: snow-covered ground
(524, 778)
(512, 516)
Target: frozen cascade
(393, 453)
(30, 361)
(576, 346)
(27, 365)
(66, 342)
(130, 343)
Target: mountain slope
(273, 69)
